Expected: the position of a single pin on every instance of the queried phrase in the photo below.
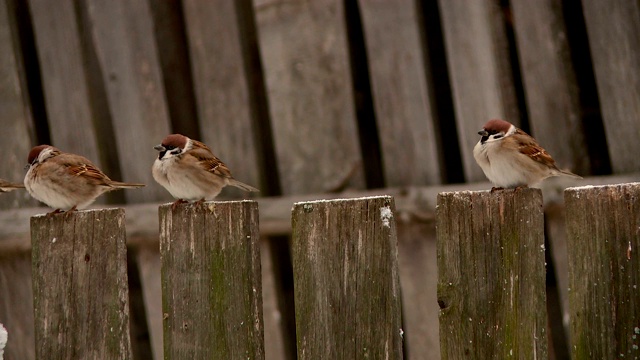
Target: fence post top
(496, 193)
(590, 188)
(387, 199)
(211, 204)
(113, 211)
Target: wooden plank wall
(282, 93)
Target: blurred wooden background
(307, 99)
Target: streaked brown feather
(528, 146)
(208, 161)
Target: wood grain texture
(81, 296)
(149, 265)
(221, 85)
(16, 305)
(15, 115)
(347, 291)
(64, 80)
(550, 84)
(491, 275)
(603, 235)
(123, 40)
(419, 279)
(211, 281)
(481, 79)
(613, 28)
(404, 107)
(306, 64)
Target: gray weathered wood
(419, 279)
(80, 291)
(15, 116)
(306, 64)
(221, 85)
(402, 92)
(614, 38)
(275, 214)
(274, 341)
(480, 71)
(149, 265)
(64, 79)
(347, 291)
(16, 305)
(123, 41)
(603, 227)
(491, 275)
(550, 85)
(211, 281)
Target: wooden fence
(309, 100)
(491, 271)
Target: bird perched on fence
(66, 181)
(509, 157)
(190, 172)
(6, 186)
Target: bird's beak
(159, 148)
(483, 133)
(26, 167)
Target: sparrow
(509, 157)
(190, 172)
(66, 181)
(6, 186)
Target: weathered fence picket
(81, 296)
(491, 275)
(603, 234)
(347, 291)
(211, 281)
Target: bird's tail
(241, 185)
(123, 185)
(568, 173)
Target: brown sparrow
(66, 181)
(189, 171)
(509, 157)
(6, 186)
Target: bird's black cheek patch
(161, 154)
(484, 139)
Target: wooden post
(603, 236)
(81, 296)
(347, 291)
(491, 275)
(211, 281)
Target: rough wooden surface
(81, 297)
(603, 234)
(15, 115)
(211, 281)
(149, 265)
(402, 92)
(613, 28)
(16, 305)
(64, 80)
(275, 212)
(221, 85)
(306, 64)
(347, 291)
(491, 275)
(549, 80)
(122, 38)
(480, 71)
(419, 279)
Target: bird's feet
(176, 203)
(54, 212)
(521, 187)
(494, 189)
(69, 212)
(199, 204)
